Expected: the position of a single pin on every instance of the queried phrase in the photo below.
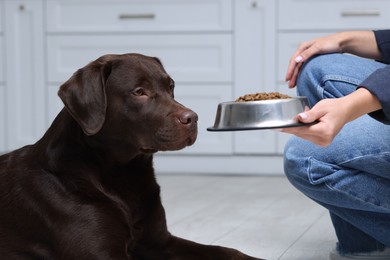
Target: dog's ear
(84, 95)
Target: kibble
(262, 96)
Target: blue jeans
(351, 177)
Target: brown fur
(87, 189)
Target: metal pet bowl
(264, 114)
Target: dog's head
(129, 100)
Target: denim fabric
(350, 177)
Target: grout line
(303, 233)
(254, 215)
(212, 205)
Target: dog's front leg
(156, 243)
(178, 248)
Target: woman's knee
(312, 74)
(333, 75)
(309, 80)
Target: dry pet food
(262, 96)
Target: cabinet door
(23, 27)
(2, 89)
(69, 16)
(330, 15)
(188, 58)
(254, 65)
(2, 120)
(2, 59)
(1, 15)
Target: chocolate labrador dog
(87, 189)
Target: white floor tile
(261, 216)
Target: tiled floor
(262, 216)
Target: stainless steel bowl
(264, 114)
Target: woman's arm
(360, 43)
(373, 97)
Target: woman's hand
(306, 50)
(332, 115)
(360, 43)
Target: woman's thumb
(306, 117)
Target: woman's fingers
(313, 133)
(302, 54)
(293, 81)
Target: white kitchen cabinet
(1, 45)
(118, 16)
(254, 63)
(24, 72)
(331, 15)
(299, 20)
(200, 44)
(216, 51)
(254, 29)
(1, 20)
(293, 30)
(188, 58)
(2, 59)
(2, 87)
(197, 53)
(2, 120)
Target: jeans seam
(354, 197)
(362, 156)
(347, 194)
(334, 77)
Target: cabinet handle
(136, 16)
(360, 13)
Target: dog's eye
(138, 92)
(172, 90)
(171, 86)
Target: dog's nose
(188, 117)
